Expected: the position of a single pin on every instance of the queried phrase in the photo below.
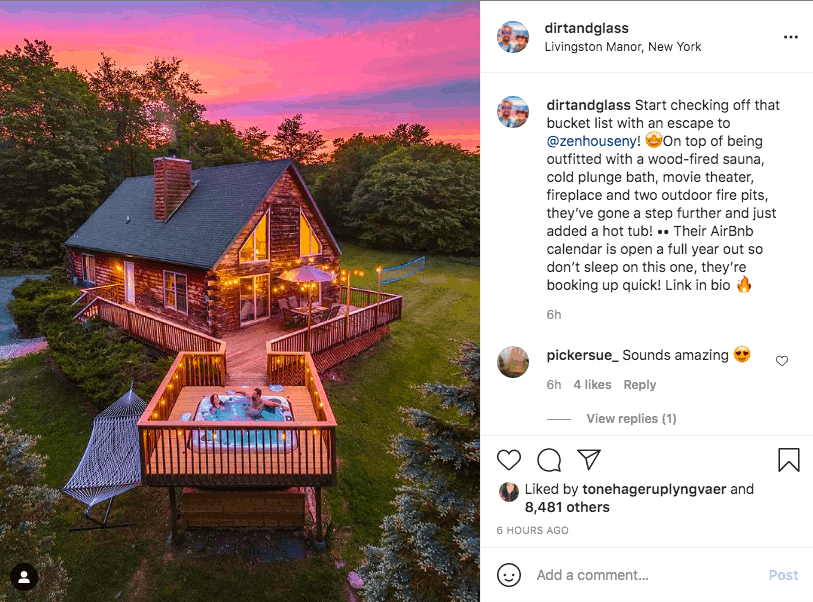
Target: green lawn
(441, 307)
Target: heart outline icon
(781, 359)
(507, 458)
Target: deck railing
(151, 329)
(111, 292)
(369, 315)
(303, 453)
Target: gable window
(175, 291)
(89, 268)
(308, 243)
(256, 246)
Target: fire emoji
(744, 286)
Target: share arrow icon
(589, 456)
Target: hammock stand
(110, 465)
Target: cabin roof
(201, 230)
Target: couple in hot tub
(256, 401)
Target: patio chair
(327, 302)
(293, 301)
(282, 304)
(290, 317)
(334, 312)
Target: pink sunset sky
(347, 67)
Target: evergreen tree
(430, 549)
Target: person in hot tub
(218, 411)
(258, 403)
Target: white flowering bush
(25, 509)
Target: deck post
(320, 542)
(173, 514)
(347, 310)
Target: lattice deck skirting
(328, 359)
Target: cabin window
(256, 246)
(175, 291)
(89, 268)
(308, 243)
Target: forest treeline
(68, 139)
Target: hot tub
(235, 407)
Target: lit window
(308, 243)
(175, 291)
(256, 246)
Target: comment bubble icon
(549, 460)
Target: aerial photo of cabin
(234, 269)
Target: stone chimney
(173, 182)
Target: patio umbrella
(307, 273)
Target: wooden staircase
(248, 379)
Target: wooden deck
(309, 464)
(301, 452)
(245, 349)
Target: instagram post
(242, 311)
(239, 301)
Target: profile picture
(512, 362)
(512, 112)
(512, 37)
(509, 492)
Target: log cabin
(203, 247)
(188, 261)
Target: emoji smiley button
(654, 139)
(508, 574)
(742, 354)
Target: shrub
(101, 359)
(26, 313)
(33, 297)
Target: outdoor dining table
(303, 311)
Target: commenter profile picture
(512, 112)
(513, 362)
(512, 37)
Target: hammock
(111, 464)
(399, 272)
